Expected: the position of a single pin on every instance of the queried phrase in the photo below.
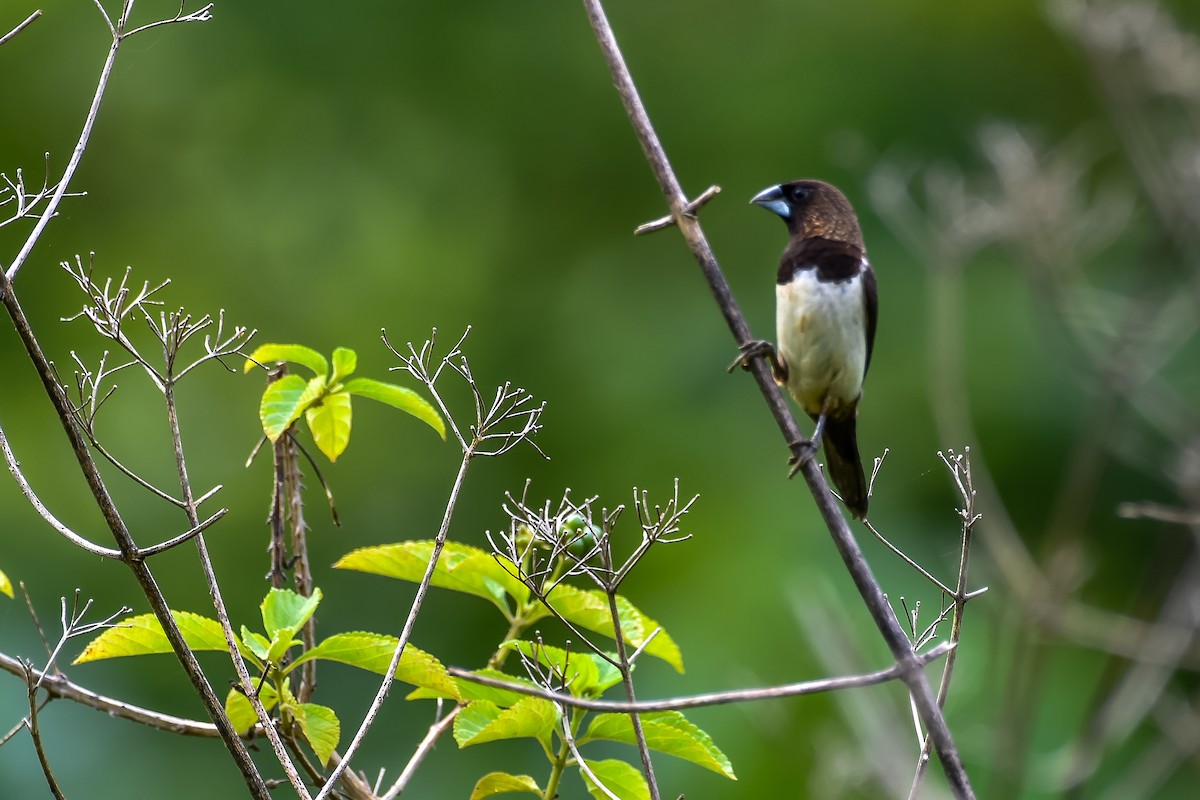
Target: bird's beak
(771, 199)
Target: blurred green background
(322, 171)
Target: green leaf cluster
(324, 399)
(284, 613)
(491, 714)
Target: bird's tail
(840, 442)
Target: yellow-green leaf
(285, 400)
(622, 779)
(482, 721)
(143, 635)
(589, 609)
(398, 397)
(295, 353)
(241, 713)
(329, 421)
(578, 669)
(666, 731)
(345, 361)
(373, 652)
(5, 584)
(460, 567)
(321, 728)
(285, 609)
(504, 783)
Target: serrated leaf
(283, 609)
(577, 668)
(295, 353)
(469, 690)
(329, 422)
(373, 652)
(345, 361)
(482, 721)
(461, 568)
(504, 783)
(241, 713)
(284, 401)
(667, 732)
(5, 584)
(321, 728)
(143, 635)
(398, 397)
(622, 779)
(589, 609)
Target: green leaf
(373, 652)
(5, 584)
(577, 668)
(589, 609)
(256, 643)
(283, 609)
(345, 361)
(482, 721)
(397, 396)
(143, 635)
(329, 421)
(503, 783)
(623, 780)
(469, 690)
(296, 353)
(320, 727)
(241, 713)
(461, 568)
(284, 401)
(667, 732)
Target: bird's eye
(800, 193)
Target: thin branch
(422, 588)
(667, 221)
(35, 733)
(175, 541)
(710, 698)
(847, 547)
(56, 685)
(14, 466)
(20, 27)
(436, 731)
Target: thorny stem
(301, 572)
(860, 571)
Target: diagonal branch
(899, 645)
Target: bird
(827, 307)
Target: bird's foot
(803, 451)
(760, 348)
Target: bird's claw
(803, 451)
(756, 348)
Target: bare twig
(852, 556)
(35, 733)
(667, 221)
(20, 27)
(436, 731)
(14, 466)
(711, 698)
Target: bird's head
(812, 208)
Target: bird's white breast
(821, 329)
